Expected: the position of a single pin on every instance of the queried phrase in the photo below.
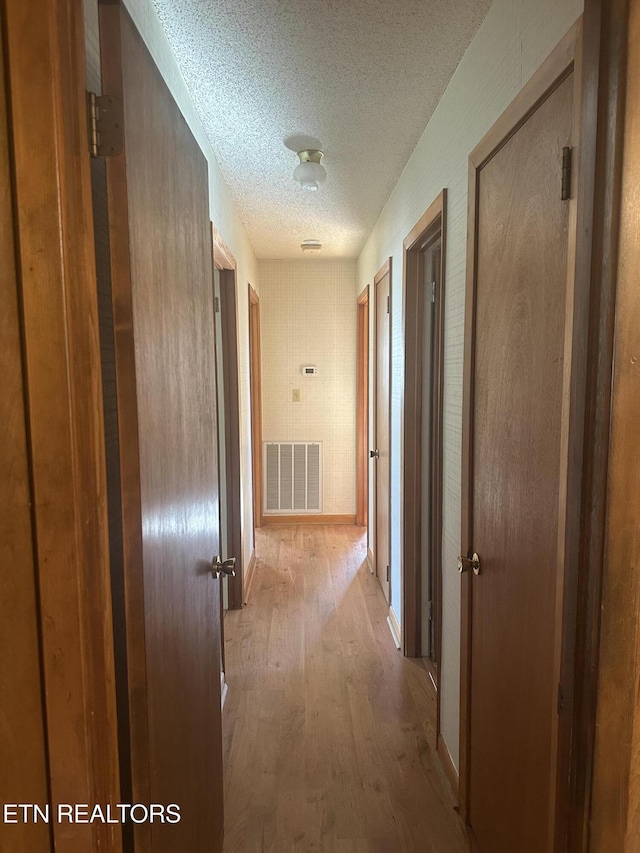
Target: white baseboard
(394, 627)
(371, 562)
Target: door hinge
(430, 611)
(216, 303)
(105, 125)
(388, 302)
(387, 574)
(433, 291)
(566, 173)
(560, 699)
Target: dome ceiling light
(310, 172)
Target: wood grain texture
(23, 770)
(556, 68)
(517, 480)
(615, 817)
(46, 69)
(382, 427)
(327, 727)
(163, 302)
(448, 765)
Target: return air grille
(293, 477)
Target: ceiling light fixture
(309, 172)
(311, 246)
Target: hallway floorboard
(327, 728)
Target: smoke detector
(310, 247)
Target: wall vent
(292, 477)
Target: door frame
(565, 58)
(44, 61)
(255, 378)
(224, 261)
(385, 269)
(362, 409)
(607, 671)
(431, 223)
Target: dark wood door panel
(518, 383)
(168, 307)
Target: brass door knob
(466, 563)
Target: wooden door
(162, 280)
(23, 769)
(382, 284)
(516, 417)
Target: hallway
(326, 726)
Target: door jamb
(256, 406)
(385, 269)
(362, 394)
(224, 261)
(432, 222)
(53, 221)
(567, 56)
(605, 654)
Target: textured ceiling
(362, 76)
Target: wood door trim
(256, 406)
(228, 318)
(562, 61)
(608, 653)
(384, 270)
(432, 221)
(128, 433)
(45, 64)
(362, 409)
(548, 77)
(223, 258)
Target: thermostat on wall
(309, 370)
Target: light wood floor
(326, 726)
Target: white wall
(224, 216)
(513, 41)
(308, 316)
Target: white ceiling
(362, 76)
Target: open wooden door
(517, 451)
(163, 320)
(381, 452)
